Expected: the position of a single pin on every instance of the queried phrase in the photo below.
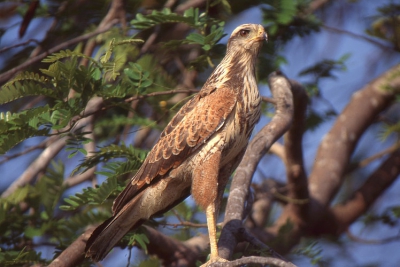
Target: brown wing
(190, 128)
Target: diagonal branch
(4, 77)
(51, 151)
(37, 166)
(174, 252)
(74, 254)
(363, 198)
(337, 146)
(280, 88)
(171, 251)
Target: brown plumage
(197, 151)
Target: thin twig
(176, 91)
(268, 100)
(19, 44)
(42, 145)
(378, 155)
(372, 241)
(359, 36)
(187, 224)
(8, 74)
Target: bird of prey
(197, 151)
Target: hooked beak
(261, 36)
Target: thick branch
(297, 199)
(264, 197)
(34, 168)
(362, 199)
(174, 252)
(296, 175)
(74, 254)
(280, 88)
(337, 146)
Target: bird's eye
(244, 33)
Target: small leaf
(146, 83)
(196, 38)
(73, 154)
(206, 47)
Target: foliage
(311, 250)
(65, 88)
(54, 101)
(18, 224)
(386, 25)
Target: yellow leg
(212, 232)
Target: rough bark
(280, 88)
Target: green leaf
(196, 38)
(14, 90)
(132, 154)
(206, 47)
(146, 83)
(91, 196)
(190, 17)
(18, 135)
(64, 54)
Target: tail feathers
(110, 232)
(95, 249)
(155, 199)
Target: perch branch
(280, 88)
(74, 254)
(254, 260)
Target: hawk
(197, 151)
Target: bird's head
(247, 37)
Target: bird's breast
(240, 124)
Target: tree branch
(74, 254)
(35, 167)
(254, 260)
(368, 160)
(115, 13)
(280, 88)
(51, 151)
(4, 77)
(174, 252)
(363, 198)
(337, 146)
(296, 175)
(296, 198)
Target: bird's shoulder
(188, 130)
